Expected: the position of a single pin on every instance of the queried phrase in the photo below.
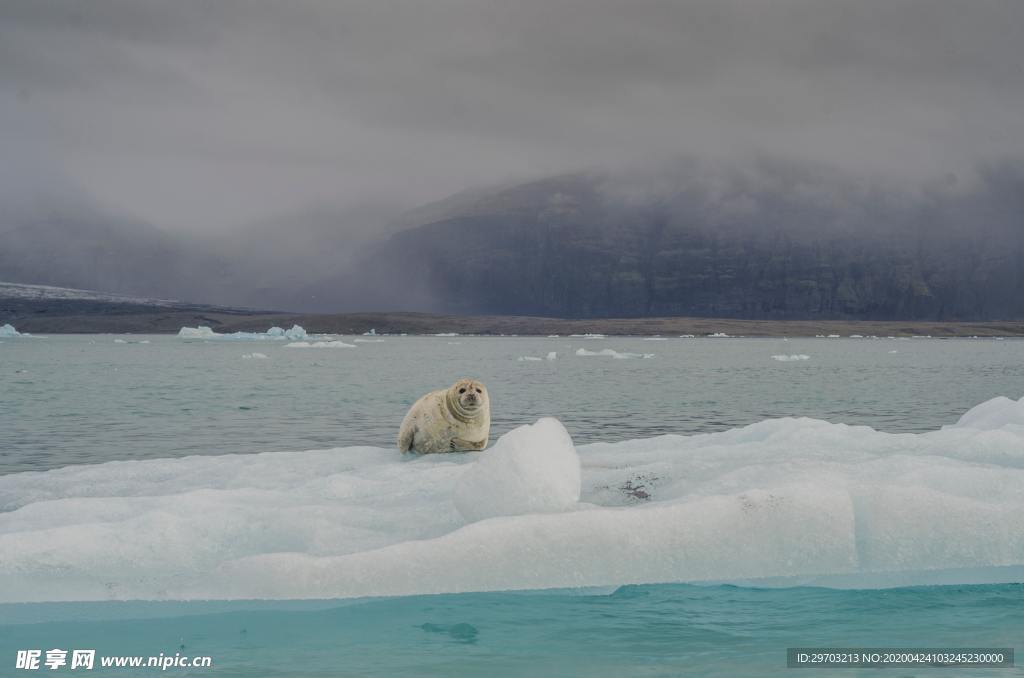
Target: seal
(456, 419)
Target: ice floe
(791, 501)
(319, 344)
(274, 333)
(793, 357)
(612, 353)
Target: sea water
(717, 489)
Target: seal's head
(467, 398)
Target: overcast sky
(208, 113)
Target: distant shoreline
(169, 321)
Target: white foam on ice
(612, 353)
(319, 344)
(783, 500)
(793, 357)
(296, 333)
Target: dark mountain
(770, 241)
(774, 241)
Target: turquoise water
(156, 529)
(663, 630)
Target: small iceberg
(719, 335)
(552, 355)
(372, 332)
(296, 333)
(529, 358)
(612, 353)
(7, 331)
(588, 335)
(319, 344)
(255, 356)
(791, 358)
(446, 334)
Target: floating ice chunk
(655, 338)
(856, 336)
(529, 358)
(553, 336)
(368, 341)
(372, 332)
(613, 354)
(833, 336)
(588, 335)
(274, 333)
(552, 355)
(319, 344)
(791, 358)
(8, 332)
(144, 341)
(687, 336)
(120, 341)
(296, 333)
(201, 332)
(530, 469)
(718, 335)
(446, 334)
(254, 356)
(894, 351)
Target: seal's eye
(462, 390)
(478, 390)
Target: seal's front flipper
(460, 445)
(405, 437)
